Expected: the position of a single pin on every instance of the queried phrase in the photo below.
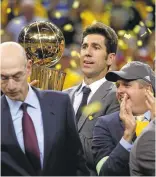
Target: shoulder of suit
(51, 93)
(110, 117)
(70, 89)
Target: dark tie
(30, 140)
(86, 91)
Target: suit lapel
(49, 124)
(9, 139)
(99, 95)
(71, 95)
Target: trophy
(44, 44)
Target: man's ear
(111, 58)
(29, 67)
(149, 87)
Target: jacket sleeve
(115, 157)
(142, 156)
(74, 143)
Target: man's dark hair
(111, 38)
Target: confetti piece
(73, 64)
(58, 66)
(90, 117)
(121, 32)
(141, 23)
(75, 4)
(17, 22)
(8, 10)
(57, 14)
(129, 59)
(139, 43)
(73, 53)
(127, 36)
(68, 27)
(149, 23)
(143, 34)
(149, 31)
(92, 108)
(136, 29)
(149, 8)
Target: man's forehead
(94, 38)
(11, 71)
(125, 81)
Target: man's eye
(4, 77)
(83, 47)
(16, 76)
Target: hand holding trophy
(44, 44)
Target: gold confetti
(129, 59)
(122, 44)
(90, 117)
(121, 32)
(8, 10)
(73, 64)
(1, 32)
(136, 29)
(68, 27)
(92, 108)
(143, 34)
(57, 14)
(149, 23)
(75, 4)
(127, 36)
(149, 8)
(149, 31)
(74, 53)
(17, 21)
(139, 43)
(58, 66)
(141, 23)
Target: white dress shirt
(35, 113)
(79, 94)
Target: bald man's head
(15, 68)
(11, 54)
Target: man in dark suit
(142, 156)
(114, 134)
(98, 51)
(38, 130)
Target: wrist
(128, 136)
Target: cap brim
(114, 76)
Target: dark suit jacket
(142, 156)
(62, 147)
(107, 133)
(106, 95)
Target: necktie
(30, 140)
(86, 91)
(141, 124)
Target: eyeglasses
(17, 77)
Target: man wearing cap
(114, 134)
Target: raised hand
(150, 103)
(34, 82)
(127, 118)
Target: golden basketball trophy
(44, 44)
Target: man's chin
(14, 97)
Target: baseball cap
(132, 71)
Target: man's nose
(88, 51)
(11, 84)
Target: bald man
(38, 132)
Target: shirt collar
(147, 115)
(94, 86)
(15, 105)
